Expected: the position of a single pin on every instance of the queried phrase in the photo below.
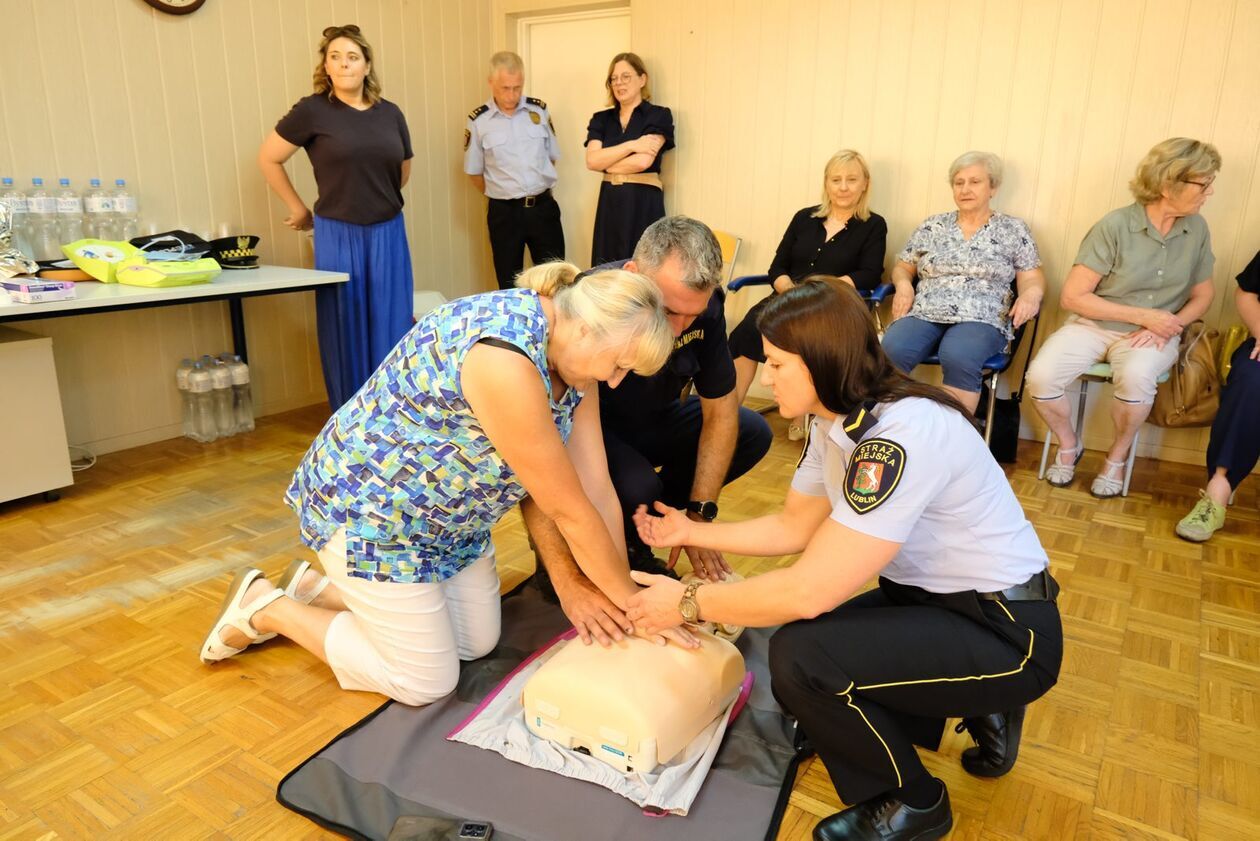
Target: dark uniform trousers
(881, 673)
(517, 223)
(1234, 443)
(670, 442)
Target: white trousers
(1079, 343)
(406, 640)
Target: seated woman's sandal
(1105, 486)
(1061, 475)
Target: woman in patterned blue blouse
(487, 399)
(979, 278)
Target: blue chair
(873, 297)
(994, 366)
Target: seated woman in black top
(839, 237)
(625, 143)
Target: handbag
(1233, 337)
(1192, 393)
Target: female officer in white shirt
(894, 481)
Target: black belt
(1040, 588)
(526, 201)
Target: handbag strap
(1023, 375)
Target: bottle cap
(65, 182)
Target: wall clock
(176, 7)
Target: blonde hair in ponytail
(613, 303)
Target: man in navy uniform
(661, 446)
(510, 149)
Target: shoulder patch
(875, 470)
(467, 138)
(533, 100)
(478, 111)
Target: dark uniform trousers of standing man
(646, 425)
(882, 672)
(515, 154)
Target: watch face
(708, 510)
(688, 610)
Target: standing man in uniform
(510, 149)
(659, 446)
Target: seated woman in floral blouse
(965, 261)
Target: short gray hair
(992, 164)
(507, 61)
(1177, 159)
(691, 242)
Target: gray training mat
(397, 762)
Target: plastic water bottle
(242, 396)
(224, 415)
(126, 212)
(201, 386)
(16, 200)
(41, 222)
(69, 213)
(98, 208)
(185, 395)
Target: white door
(566, 59)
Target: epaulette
(859, 422)
(533, 100)
(478, 111)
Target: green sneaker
(1203, 521)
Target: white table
(230, 286)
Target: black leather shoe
(997, 742)
(888, 819)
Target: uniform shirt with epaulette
(915, 472)
(515, 153)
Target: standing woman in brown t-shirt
(360, 149)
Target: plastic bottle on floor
(205, 429)
(185, 396)
(224, 416)
(242, 395)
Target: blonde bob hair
(1177, 159)
(638, 66)
(844, 156)
(614, 304)
(371, 84)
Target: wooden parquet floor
(111, 728)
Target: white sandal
(1061, 475)
(291, 581)
(235, 615)
(1105, 487)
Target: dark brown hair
(824, 321)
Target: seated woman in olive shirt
(839, 236)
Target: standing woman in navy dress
(625, 143)
(360, 149)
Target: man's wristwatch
(687, 606)
(706, 508)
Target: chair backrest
(730, 252)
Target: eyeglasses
(624, 78)
(1202, 184)
(333, 31)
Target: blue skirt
(361, 320)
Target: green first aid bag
(138, 271)
(99, 257)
